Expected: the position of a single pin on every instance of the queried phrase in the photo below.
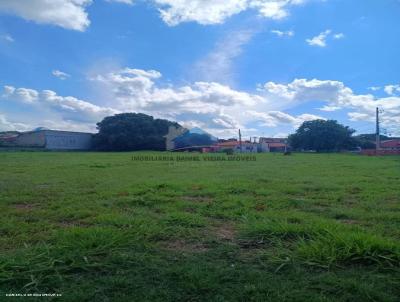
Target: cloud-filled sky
(263, 66)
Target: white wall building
(51, 140)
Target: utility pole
(240, 141)
(378, 138)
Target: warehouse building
(42, 138)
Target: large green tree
(322, 136)
(130, 132)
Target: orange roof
(228, 144)
(233, 144)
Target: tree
(189, 139)
(130, 132)
(367, 141)
(372, 137)
(322, 136)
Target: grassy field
(104, 227)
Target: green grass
(101, 227)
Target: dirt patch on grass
(123, 194)
(72, 224)
(24, 206)
(197, 198)
(190, 210)
(349, 221)
(251, 244)
(353, 190)
(43, 186)
(159, 211)
(225, 232)
(182, 246)
(260, 207)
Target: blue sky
(264, 66)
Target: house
(264, 145)
(42, 138)
(277, 147)
(273, 140)
(274, 144)
(247, 147)
(393, 144)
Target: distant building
(173, 133)
(42, 138)
(232, 144)
(274, 144)
(195, 139)
(272, 140)
(393, 144)
(277, 147)
(246, 146)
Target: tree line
(328, 136)
(138, 131)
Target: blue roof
(201, 131)
(40, 129)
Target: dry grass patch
(350, 221)
(182, 246)
(225, 232)
(24, 206)
(122, 194)
(197, 199)
(43, 186)
(72, 224)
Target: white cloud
(337, 95)
(210, 105)
(279, 33)
(274, 9)
(201, 11)
(319, 40)
(374, 88)
(23, 95)
(68, 14)
(205, 12)
(213, 106)
(392, 89)
(218, 64)
(330, 108)
(72, 14)
(218, 107)
(130, 2)
(47, 103)
(60, 74)
(136, 89)
(303, 90)
(7, 38)
(6, 125)
(358, 116)
(338, 36)
(274, 118)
